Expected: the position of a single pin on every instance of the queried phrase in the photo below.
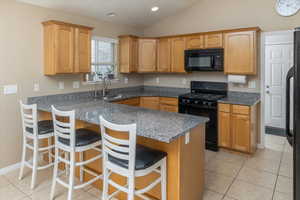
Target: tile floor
(265, 176)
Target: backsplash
(183, 80)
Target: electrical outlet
(184, 81)
(187, 138)
(76, 84)
(157, 80)
(126, 80)
(36, 87)
(61, 85)
(10, 89)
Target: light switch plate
(36, 87)
(126, 80)
(76, 84)
(10, 89)
(61, 85)
(252, 84)
(187, 138)
(157, 80)
(184, 81)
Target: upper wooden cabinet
(213, 40)
(195, 42)
(128, 54)
(177, 54)
(147, 55)
(164, 55)
(240, 52)
(67, 48)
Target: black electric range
(203, 101)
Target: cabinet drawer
(168, 108)
(243, 110)
(131, 102)
(169, 101)
(224, 107)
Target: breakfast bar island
(181, 136)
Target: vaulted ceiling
(132, 12)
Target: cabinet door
(214, 40)
(134, 54)
(224, 130)
(150, 102)
(147, 55)
(240, 53)
(240, 127)
(177, 54)
(168, 108)
(130, 102)
(82, 50)
(164, 55)
(195, 42)
(125, 55)
(64, 49)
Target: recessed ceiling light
(155, 8)
(112, 14)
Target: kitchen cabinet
(130, 102)
(168, 104)
(240, 52)
(177, 54)
(164, 55)
(195, 42)
(149, 102)
(147, 55)
(213, 40)
(67, 48)
(238, 127)
(128, 54)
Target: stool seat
(145, 157)
(83, 137)
(44, 127)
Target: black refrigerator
(293, 112)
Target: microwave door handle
(290, 75)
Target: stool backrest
(64, 126)
(29, 118)
(119, 148)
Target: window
(104, 57)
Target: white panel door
(278, 60)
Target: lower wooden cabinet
(238, 127)
(130, 102)
(149, 102)
(168, 104)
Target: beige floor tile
(226, 168)
(284, 185)
(10, 192)
(217, 182)
(209, 155)
(288, 148)
(273, 139)
(86, 196)
(275, 147)
(263, 164)
(286, 169)
(210, 195)
(246, 191)
(95, 192)
(282, 196)
(287, 157)
(44, 180)
(231, 157)
(3, 181)
(257, 177)
(228, 198)
(268, 154)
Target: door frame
(269, 38)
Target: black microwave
(204, 60)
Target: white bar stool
(35, 131)
(71, 141)
(128, 159)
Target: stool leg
(55, 173)
(67, 169)
(164, 179)
(105, 183)
(81, 167)
(71, 175)
(35, 162)
(23, 159)
(131, 187)
(50, 150)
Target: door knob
(268, 86)
(268, 92)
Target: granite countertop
(241, 98)
(157, 125)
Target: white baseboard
(10, 168)
(260, 146)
